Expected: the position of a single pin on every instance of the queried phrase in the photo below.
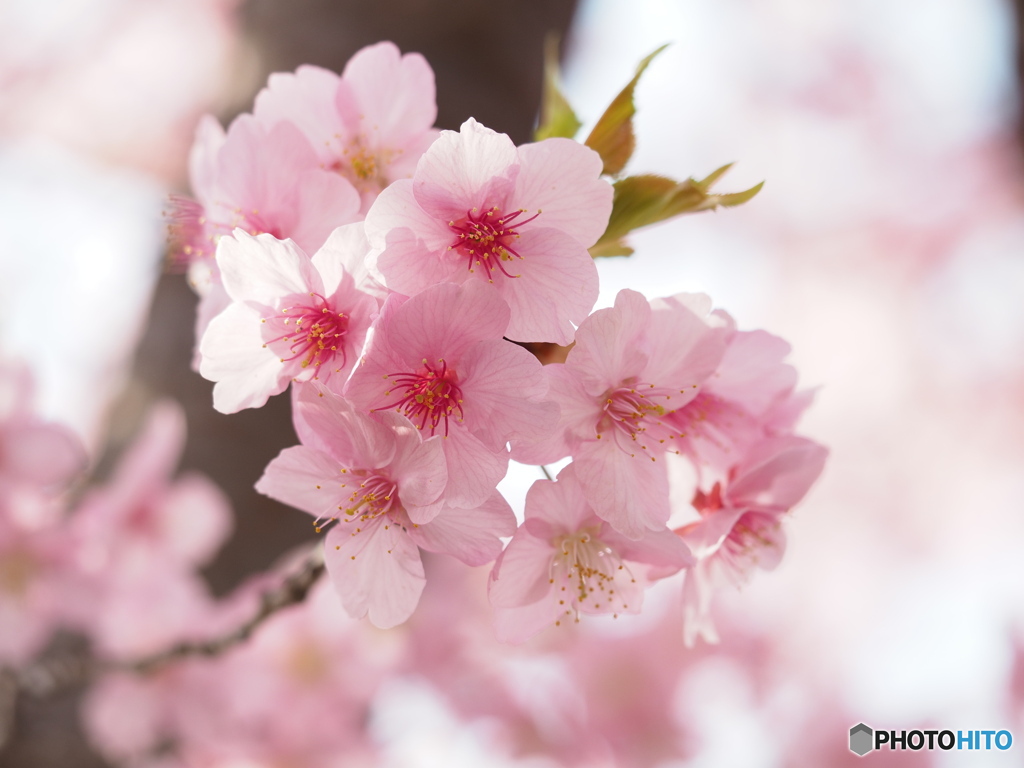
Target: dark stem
(48, 677)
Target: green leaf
(604, 249)
(612, 137)
(647, 199)
(556, 116)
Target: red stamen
(430, 395)
(486, 238)
(313, 331)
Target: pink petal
(555, 289)
(683, 350)
(325, 201)
(195, 518)
(474, 470)
(377, 571)
(153, 456)
(407, 264)
(562, 504)
(45, 455)
(331, 424)
(663, 548)
(202, 158)
(476, 167)
(706, 537)
(443, 321)
(471, 535)
(212, 302)
(697, 592)
(629, 492)
(395, 95)
(306, 479)
(233, 355)
(396, 208)
(752, 371)
(305, 98)
(502, 385)
(343, 255)
(522, 574)
(418, 466)
(608, 343)
(257, 169)
(264, 269)
(562, 179)
(777, 473)
(579, 414)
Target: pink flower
(254, 706)
(291, 317)
(732, 409)
(37, 460)
(564, 560)
(741, 526)
(380, 486)
(36, 553)
(371, 125)
(261, 180)
(633, 365)
(440, 359)
(139, 541)
(478, 208)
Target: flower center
(586, 569)
(751, 538)
(710, 502)
(364, 168)
(486, 239)
(428, 396)
(193, 231)
(372, 497)
(635, 418)
(311, 331)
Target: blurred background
(887, 246)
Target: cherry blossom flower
(380, 487)
(261, 180)
(741, 522)
(731, 410)
(564, 561)
(36, 555)
(37, 460)
(478, 208)
(291, 317)
(138, 542)
(439, 358)
(370, 125)
(633, 365)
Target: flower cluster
(394, 277)
(119, 565)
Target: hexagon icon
(860, 739)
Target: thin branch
(47, 677)
(291, 591)
(547, 474)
